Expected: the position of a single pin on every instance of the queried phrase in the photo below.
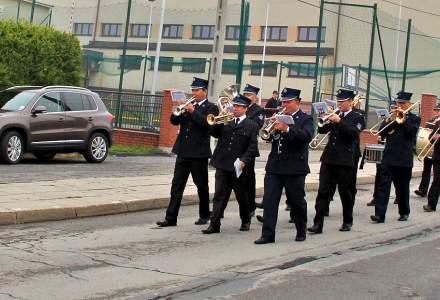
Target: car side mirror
(40, 109)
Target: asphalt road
(127, 257)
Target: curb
(12, 217)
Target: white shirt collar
(200, 103)
(295, 112)
(347, 112)
(241, 118)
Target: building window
(229, 66)
(304, 70)
(83, 29)
(132, 62)
(233, 32)
(172, 31)
(275, 33)
(111, 29)
(165, 64)
(270, 68)
(203, 32)
(194, 65)
(310, 34)
(139, 30)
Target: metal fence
(134, 111)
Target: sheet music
(238, 170)
(286, 119)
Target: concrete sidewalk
(76, 198)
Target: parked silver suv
(53, 119)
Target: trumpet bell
(264, 133)
(177, 111)
(220, 119)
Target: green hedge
(37, 55)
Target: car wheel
(44, 156)
(12, 147)
(97, 148)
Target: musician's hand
(334, 118)
(242, 165)
(281, 126)
(379, 139)
(190, 108)
(435, 137)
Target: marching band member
(272, 105)
(287, 167)
(338, 160)
(237, 143)
(255, 113)
(397, 161)
(192, 148)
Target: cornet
(225, 107)
(178, 110)
(269, 128)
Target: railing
(134, 111)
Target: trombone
(178, 110)
(224, 103)
(269, 128)
(396, 116)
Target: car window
(52, 102)
(15, 100)
(73, 101)
(88, 102)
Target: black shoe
(202, 221)
(259, 205)
(403, 218)
(264, 240)
(300, 237)
(260, 218)
(345, 227)
(326, 213)
(211, 229)
(395, 201)
(428, 208)
(372, 203)
(166, 223)
(315, 229)
(245, 226)
(287, 207)
(420, 193)
(291, 221)
(377, 219)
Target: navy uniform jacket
(193, 140)
(290, 153)
(340, 149)
(401, 139)
(357, 146)
(436, 154)
(256, 113)
(234, 142)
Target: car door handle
(61, 119)
(90, 118)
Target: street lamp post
(148, 47)
(159, 43)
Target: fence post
(370, 63)
(405, 66)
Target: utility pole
(159, 44)
(217, 51)
(31, 20)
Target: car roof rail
(65, 87)
(25, 87)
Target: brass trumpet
(397, 116)
(267, 130)
(178, 110)
(225, 107)
(325, 119)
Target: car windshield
(15, 100)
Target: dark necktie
(196, 106)
(236, 121)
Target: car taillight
(110, 117)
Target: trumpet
(397, 116)
(325, 119)
(178, 110)
(224, 103)
(267, 130)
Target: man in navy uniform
(287, 167)
(255, 113)
(338, 161)
(434, 190)
(192, 148)
(237, 146)
(397, 160)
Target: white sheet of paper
(238, 170)
(286, 119)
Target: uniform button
(230, 143)
(334, 144)
(187, 130)
(281, 139)
(229, 149)
(281, 145)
